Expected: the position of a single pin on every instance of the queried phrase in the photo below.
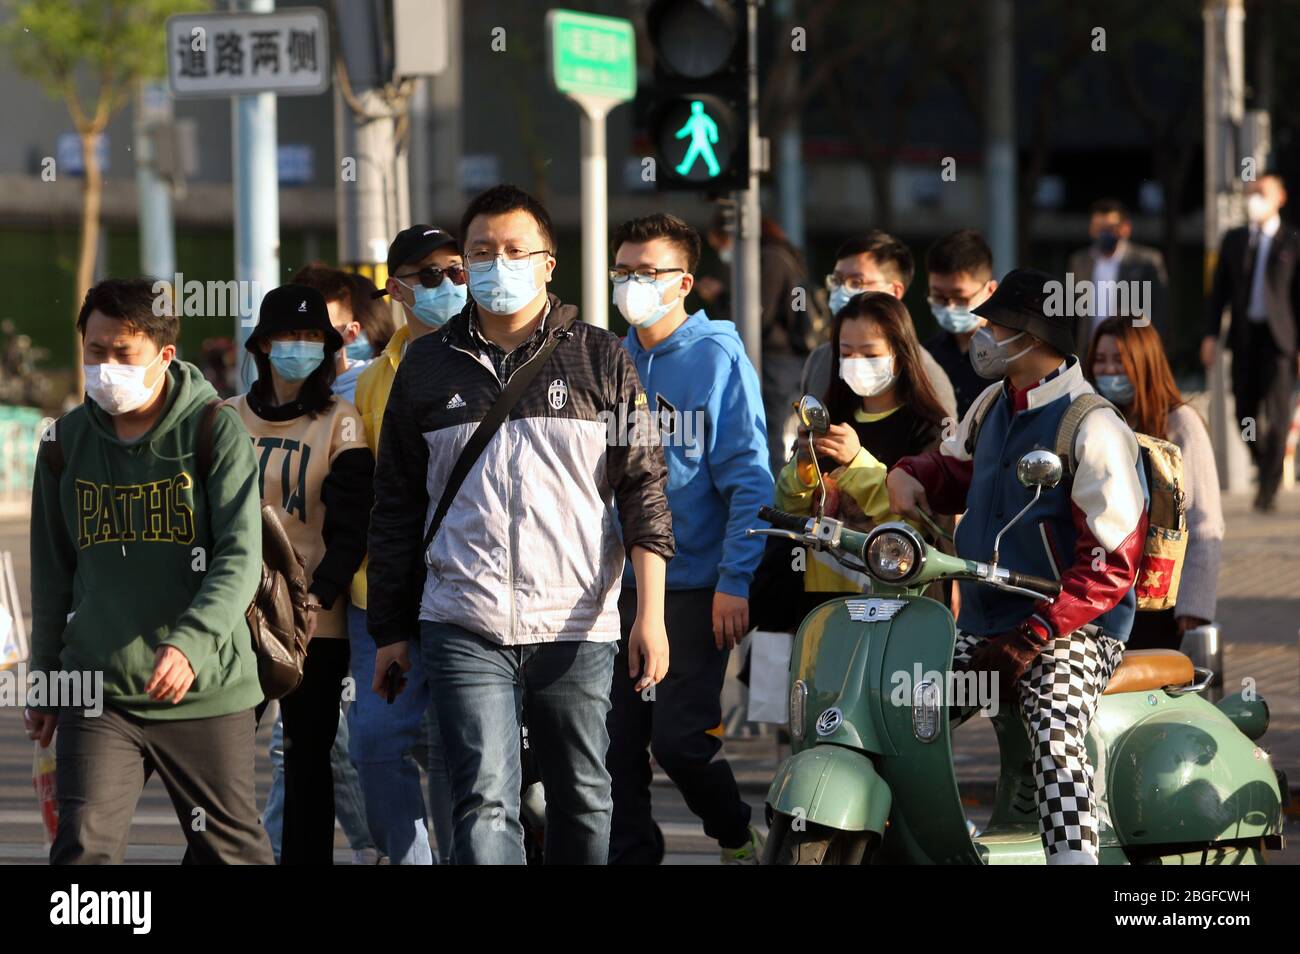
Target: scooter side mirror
(813, 414)
(1039, 468)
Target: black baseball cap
(294, 308)
(413, 244)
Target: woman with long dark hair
(882, 408)
(317, 474)
(1127, 366)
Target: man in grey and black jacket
(515, 603)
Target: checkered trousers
(1057, 697)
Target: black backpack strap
(514, 390)
(203, 450)
(977, 421)
(1068, 429)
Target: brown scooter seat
(1144, 669)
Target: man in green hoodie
(142, 569)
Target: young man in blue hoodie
(706, 408)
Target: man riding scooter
(1091, 540)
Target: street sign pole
(746, 264)
(595, 218)
(593, 62)
(257, 207)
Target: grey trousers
(206, 765)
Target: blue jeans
(349, 805)
(384, 738)
(482, 690)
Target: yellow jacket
(372, 392)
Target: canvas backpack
(1165, 548)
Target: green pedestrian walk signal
(703, 133)
(696, 106)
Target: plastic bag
(43, 782)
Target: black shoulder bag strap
(514, 390)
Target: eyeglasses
(645, 274)
(855, 285)
(953, 302)
(431, 276)
(480, 260)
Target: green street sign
(592, 56)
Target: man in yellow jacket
(426, 274)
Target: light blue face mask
(360, 349)
(955, 320)
(504, 288)
(838, 299)
(1116, 388)
(296, 360)
(437, 306)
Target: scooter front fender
(833, 786)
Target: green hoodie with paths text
(131, 551)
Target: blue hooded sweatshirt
(705, 392)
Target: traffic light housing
(698, 107)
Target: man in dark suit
(1113, 258)
(1257, 276)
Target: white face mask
(641, 303)
(1258, 209)
(868, 377)
(119, 388)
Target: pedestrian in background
(426, 274)
(959, 272)
(1257, 278)
(1113, 257)
(1127, 365)
(316, 473)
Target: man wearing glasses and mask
(502, 574)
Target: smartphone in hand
(393, 682)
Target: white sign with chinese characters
(231, 54)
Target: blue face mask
(360, 348)
(955, 320)
(502, 289)
(1115, 388)
(437, 306)
(839, 298)
(296, 360)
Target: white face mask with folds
(119, 388)
(867, 377)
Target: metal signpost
(252, 57)
(593, 62)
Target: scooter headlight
(894, 553)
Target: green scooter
(870, 780)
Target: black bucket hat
(1020, 302)
(294, 308)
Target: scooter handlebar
(782, 520)
(1036, 583)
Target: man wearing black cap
(1087, 532)
(426, 274)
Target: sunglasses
(431, 276)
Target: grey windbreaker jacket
(530, 550)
